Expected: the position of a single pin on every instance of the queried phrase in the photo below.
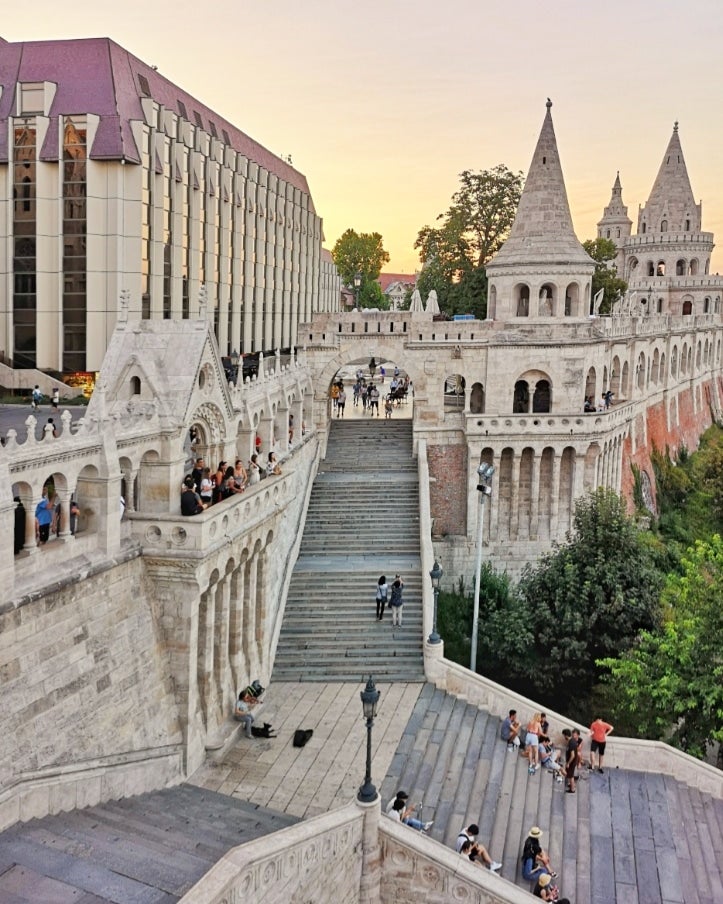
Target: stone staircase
(631, 837)
(148, 849)
(363, 521)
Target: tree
(605, 277)
(454, 255)
(361, 253)
(671, 682)
(590, 597)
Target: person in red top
(599, 732)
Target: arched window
(687, 225)
(625, 383)
(523, 301)
(591, 386)
(615, 377)
(542, 398)
(454, 387)
(687, 307)
(632, 266)
(707, 265)
(663, 225)
(655, 372)
(135, 386)
(693, 267)
(674, 362)
(521, 400)
(572, 300)
(477, 399)
(644, 228)
(651, 268)
(607, 233)
(547, 301)
(492, 303)
(618, 232)
(640, 371)
(662, 368)
(661, 268)
(680, 268)
(706, 305)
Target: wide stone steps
(362, 521)
(624, 836)
(148, 849)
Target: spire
(671, 206)
(543, 231)
(615, 214)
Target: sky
(382, 103)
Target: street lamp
(357, 286)
(436, 576)
(484, 475)
(369, 698)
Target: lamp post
(484, 474)
(369, 698)
(436, 576)
(357, 286)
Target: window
(135, 386)
(644, 228)
(521, 398)
(144, 86)
(664, 226)
(32, 98)
(182, 109)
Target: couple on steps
(396, 603)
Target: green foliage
(362, 253)
(589, 598)
(671, 683)
(455, 253)
(605, 276)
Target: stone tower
(667, 262)
(542, 271)
(615, 224)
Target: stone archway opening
(370, 387)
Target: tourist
(340, 403)
(544, 724)
(532, 739)
(255, 474)
(197, 473)
(599, 731)
(396, 602)
(56, 398)
(388, 406)
(549, 757)
(239, 475)
(49, 429)
(510, 731)
(218, 482)
(400, 795)
(230, 487)
(205, 485)
(382, 592)
(400, 813)
(190, 500)
(364, 397)
(572, 758)
(291, 429)
(74, 514)
(535, 860)
(242, 711)
(44, 517)
(272, 466)
(374, 401)
(36, 398)
(382, 374)
(477, 853)
(334, 392)
(543, 888)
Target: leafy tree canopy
(671, 683)
(605, 276)
(455, 253)
(590, 597)
(362, 253)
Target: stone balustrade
(528, 426)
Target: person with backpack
(382, 591)
(396, 602)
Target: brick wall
(692, 421)
(448, 488)
(83, 675)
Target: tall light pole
(357, 286)
(369, 698)
(484, 474)
(436, 576)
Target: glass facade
(24, 244)
(75, 220)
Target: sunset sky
(383, 104)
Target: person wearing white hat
(535, 860)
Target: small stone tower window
(135, 386)
(687, 225)
(644, 228)
(544, 159)
(664, 226)
(607, 233)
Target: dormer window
(135, 386)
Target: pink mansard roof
(96, 75)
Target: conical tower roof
(616, 210)
(671, 201)
(542, 232)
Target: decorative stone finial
(125, 296)
(549, 103)
(675, 126)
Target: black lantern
(436, 575)
(369, 698)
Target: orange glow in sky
(382, 103)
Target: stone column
(64, 533)
(535, 495)
(221, 662)
(31, 544)
(371, 872)
(515, 495)
(236, 627)
(206, 619)
(494, 507)
(250, 652)
(579, 478)
(555, 494)
(261, 615)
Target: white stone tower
(615, 224)
(542, 271)
(667, 263)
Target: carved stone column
(221, 663)
(555, 496)
(250, 651)
(515, 495)
(371, 873)
(31, 543)
(206, 619)
(236, 627)
(535, 495)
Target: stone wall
(86, 689)
(319, 861)
(448, 486)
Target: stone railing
(414, 868)
(627, 753)
(527, 426)
(317, 860)
(425, 537)
(192, 537)
(57, 789)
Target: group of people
(36, 398)
(540, 751)
(606, 400)
(201, 488)
(391, 595)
